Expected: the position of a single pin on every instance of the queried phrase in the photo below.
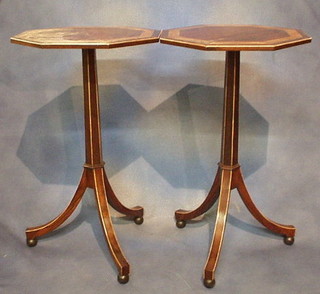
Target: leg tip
(209, 283)
(288, 240)
(32, 242)
(138, 220)
(123, 279)
(180, 224)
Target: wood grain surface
(234, 37)
(86, 37)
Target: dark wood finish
(229, 169)
(234, 37)
(229, 174)
(94, 175)
(86, 37)
(231, 39)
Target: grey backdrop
(161, 111)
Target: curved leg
(287, 230)
(116, 252)
(183, 215)
(136, 212)
(213, 257)
(34, 232)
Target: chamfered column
(230, 126)
(91, 109)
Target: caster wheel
(180, 224)
(138, 220)
(288, 240)
(32, 242)
(123, 279)
(209, 283)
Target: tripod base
(94, 177)
(227, 179)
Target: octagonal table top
(234, 37)
(86, 37)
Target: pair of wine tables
(229, 38)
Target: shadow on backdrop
(180, 138)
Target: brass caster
(138, 220)
(32, 242)
(209, 283)
(181, 224)
(288, 240)
(123, 279)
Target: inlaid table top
(86, 37)
(234, 37)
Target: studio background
(161, 110)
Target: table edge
(224, 47)
(87, 45)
